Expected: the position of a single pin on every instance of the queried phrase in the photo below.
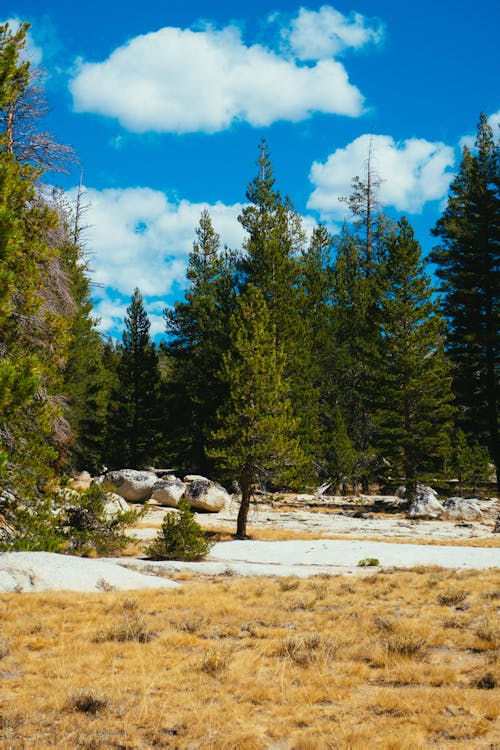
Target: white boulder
(168, 491)
(134, 486)
(202, 494)
(426, 504)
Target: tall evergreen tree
(197, 336)
(135, 423)
(411, 376)
(355, 340)
(468, 265)
(256, 440)
(359, 283)
(315, 288)
(270, 262)
(34, 331)
(86, 382)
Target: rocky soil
(361, 517)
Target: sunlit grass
(391, 660)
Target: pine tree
(135, 421)
(468, 265)
(86, 383)
(355, 336)
(197, 331)
(256, 440)
(411, 379)
(34, 332)
(270, 262)
(359, 283)
(316, 296)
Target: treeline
(290, 361)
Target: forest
(291, 361)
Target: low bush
(368, 562)
(180, 537)
(79, 526)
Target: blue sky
(165, 105)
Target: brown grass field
(394, 659)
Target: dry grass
(382, 661)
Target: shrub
(131, 627)
(50, 523)
(406, 645)
(452, 597)
(87, 701)
(368, 561)
(180, 537)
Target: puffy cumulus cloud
(182, 81)
(32, 51)
(314, 35)
(138, 237)
(413, 172)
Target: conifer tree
(86, 382)
(275, 238)
(135, 421)
(355, 340)
(256, 440)
(359, 275)
(468, 265)
(411, 376)
(197, 336)
(316, 296)
(34, 332)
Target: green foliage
(411, 379)
(271, 263)
(180, 537)
(368, 562)
(469, 463)
(89, 530)
(134, 425)
(468, 265)
(257, 438)
(73, 524)
(197, 331)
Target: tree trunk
(246, 492)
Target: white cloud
(180, 80)
(138, 237)
(314, 35)
(32, 51)
(413, 172)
